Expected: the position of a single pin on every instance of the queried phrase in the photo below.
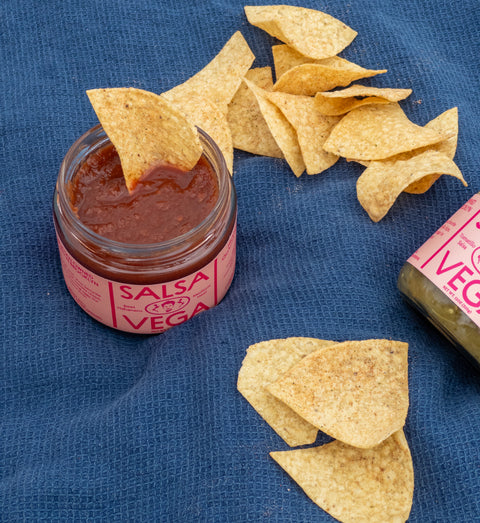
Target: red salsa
(166, 202)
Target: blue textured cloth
(98, 425)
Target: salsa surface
(166, 202)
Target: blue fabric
(98, 425)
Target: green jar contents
(442, 279)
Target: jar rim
(71, 162)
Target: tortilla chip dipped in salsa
(146, 130)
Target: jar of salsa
(442, 279)
(110, 266)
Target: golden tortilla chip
(355, 485)
(204, 97)
(342, 101)
(261, 76)
(446, 124)
(376, 132)
(219, 79)
(312, 129)
(282, 131)
(312, 33)
(249, 129)
(285, 57)
(382, 181)
(145, 129)
(310, 78)
(264, 363)
(203, 113)
(356, 391)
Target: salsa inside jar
(166, 202)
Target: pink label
(451, 259)
(149, 309)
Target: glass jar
(146, 288)
(442, 279)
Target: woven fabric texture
(99, 425)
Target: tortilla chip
(261, 76)
(264, 363)
(355, 485)
(310, 78)
(283, 133)
(312, 129)
(285, 57)
(204, 97)
(312, 33)
(342, 101)
(219, 79)
(356, 391)
(145, 129)
(203, 113)
(382, 181)
(446, 124)
(249, 129)
(376, 132)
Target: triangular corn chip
(282, 131)
(219, 79)
(145, 129)
(264, 363)
(203, 113)
(355, 391)
(382, 181)
(375, 132)
(285, 58)
(312, 33)
(312, 129)
(446, 124)
(204, 97)
(249, 129)
(310, 78)
(261, 76)
(344, 100)
(355, 485)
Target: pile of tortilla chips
(314, 126)
(360, 123)
(298, 117)
(357, 393)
